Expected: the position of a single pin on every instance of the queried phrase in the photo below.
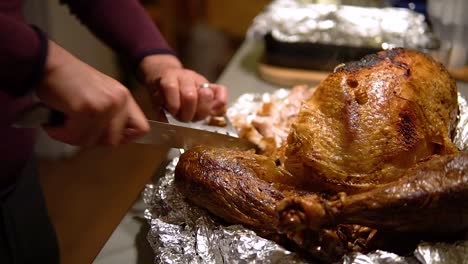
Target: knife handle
(56, 118)
(39, 114)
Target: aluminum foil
(461, 131)
(343, 25)
(247, 104)
(183, 233)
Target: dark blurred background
(204, 33)
(192, 27)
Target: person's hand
(178, 89)
(98, 109)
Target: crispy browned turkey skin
(370, 121)
(368, 159)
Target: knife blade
(164, 134)
(228, 129)
(176, 136)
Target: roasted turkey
(368, 161)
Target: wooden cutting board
(89, 193)
(289, 77)
(460, 74)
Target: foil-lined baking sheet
(182, 233)
(343, 25)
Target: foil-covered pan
(182, 233)
(294, 21)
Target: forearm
(23, 51)
(122, 24)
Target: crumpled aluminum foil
(343, 25)
(461, 131)
(182, 233)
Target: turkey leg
(430, 199)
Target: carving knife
(176, 136)
(163, 134)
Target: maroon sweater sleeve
(122, 24)
(23, 52)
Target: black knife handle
(56, 118)
(39, 114)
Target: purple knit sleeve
(23, 51)
(124, 25)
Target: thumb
(137, 124)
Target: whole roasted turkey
(368, 164)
